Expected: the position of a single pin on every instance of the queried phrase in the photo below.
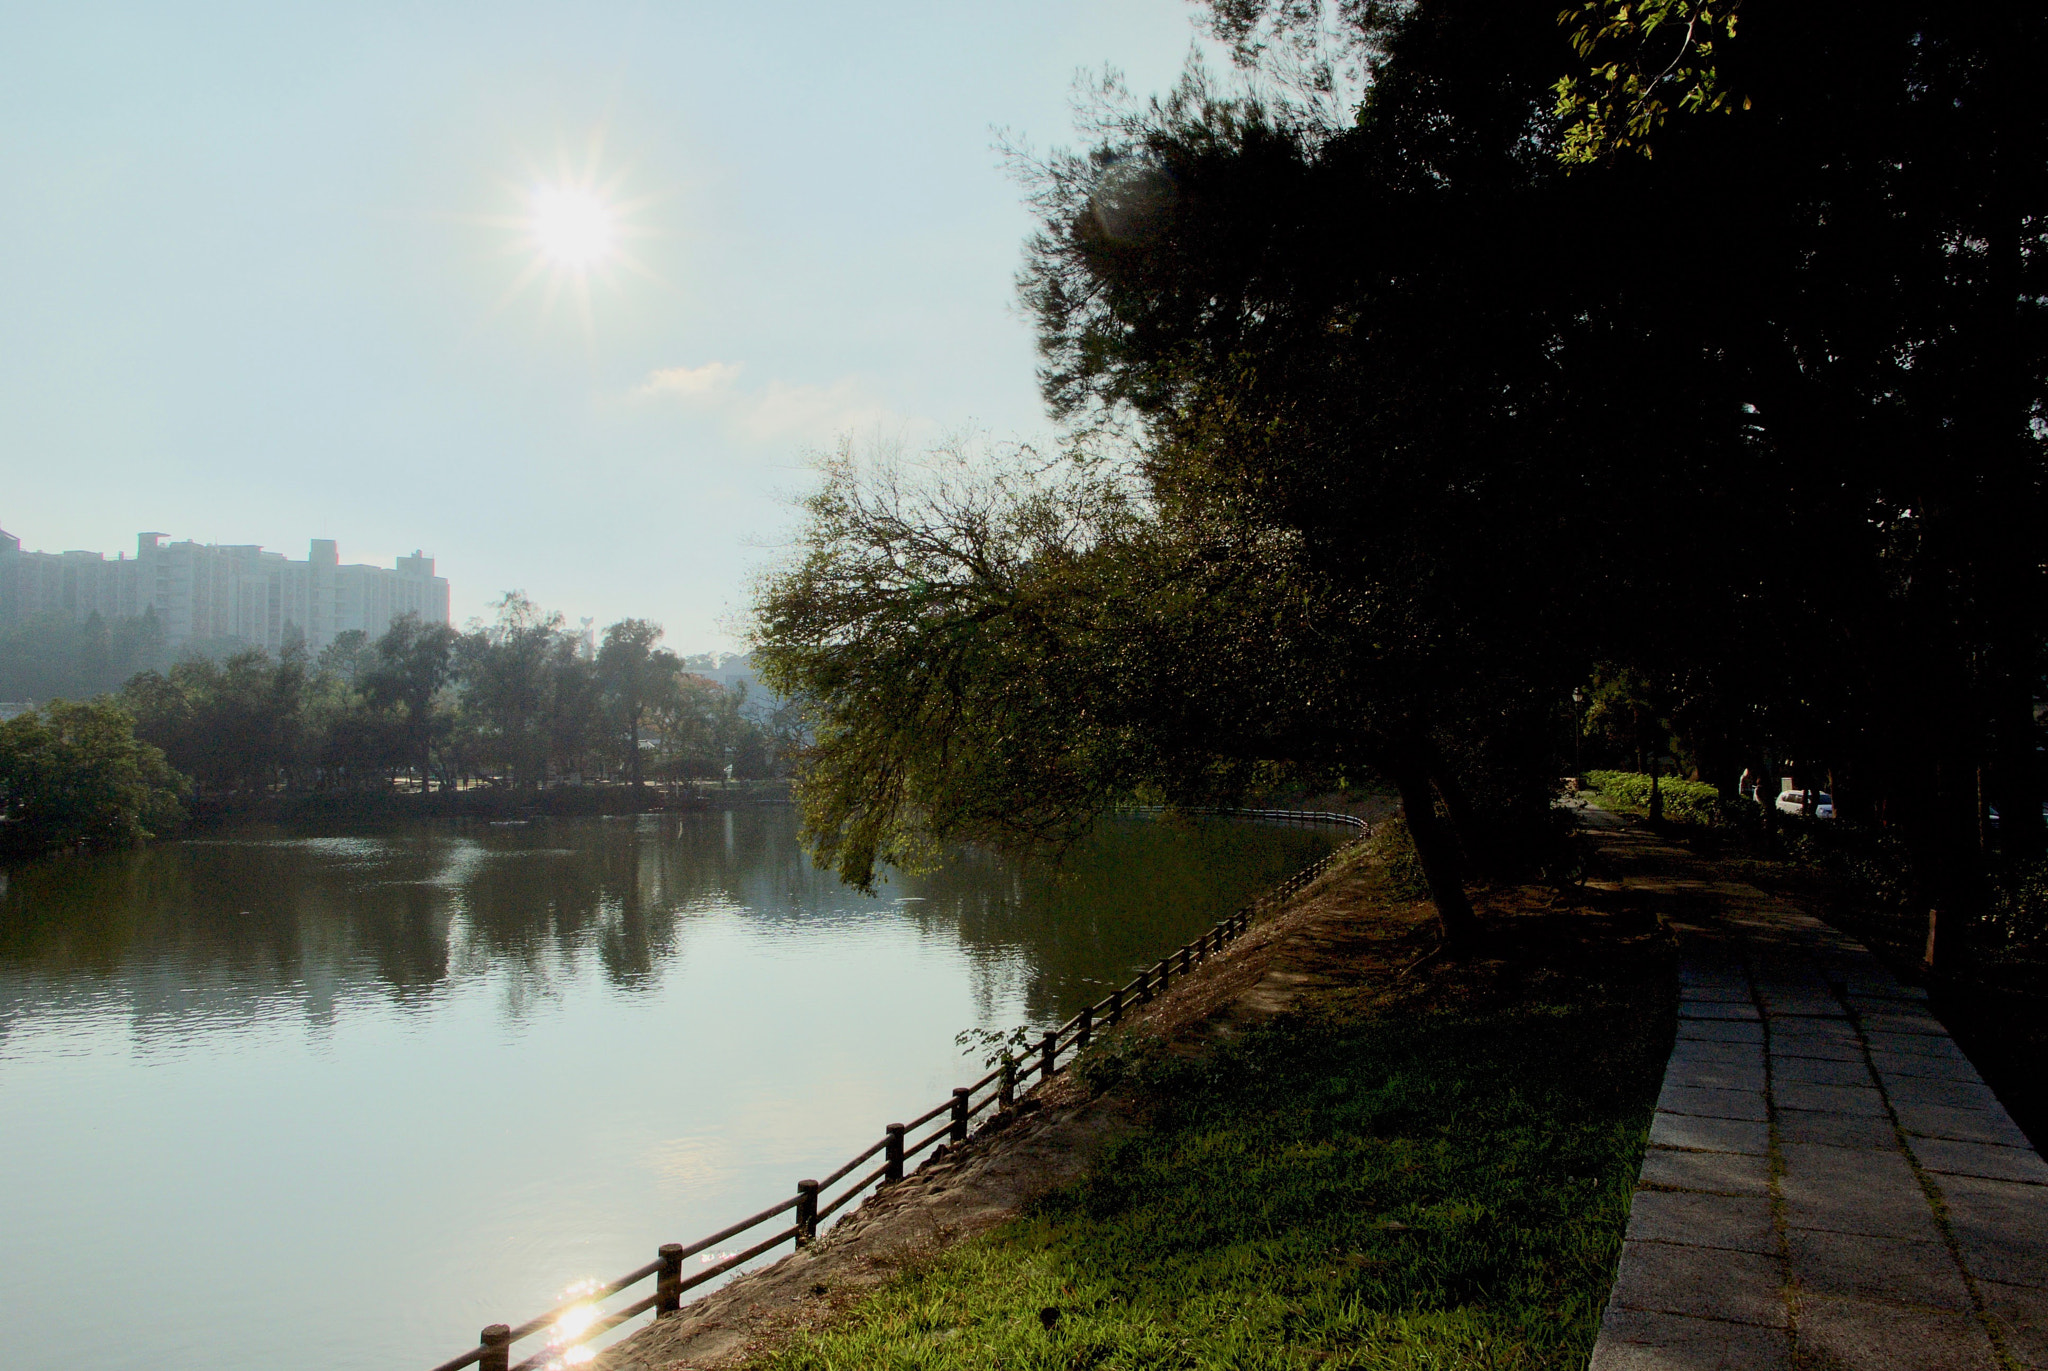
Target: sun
(572, 223)
(572, 227)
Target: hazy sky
(263, 277)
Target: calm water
(272, 1100)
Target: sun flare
(572, 224)
(573, 227)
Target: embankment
(1329, 1147)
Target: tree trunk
(1468, 843)
(633, 763)
(1437, 849)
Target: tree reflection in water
(192, 927)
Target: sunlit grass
(1448, 1192)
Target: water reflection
(195, 929)
(471, 1064)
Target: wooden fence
(951, 1123)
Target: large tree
(1430, 409)
(75, 773)
(412, 663)
(634, 674)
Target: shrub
(1393, 847)
(2018, 915)
(1685, 802)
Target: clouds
(779, 411)
(692, 382)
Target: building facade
(213, 591)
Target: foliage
(1318, 560)
(233, 724)
(2019, 907)
(49, 659)
(75, 773)
(634, 673)
(1645, 57)
(1393, 847)
(514, 701)
(996, 1045)
(946, 624)
(1448, 1190)
(1787, 498)
(1685, 802)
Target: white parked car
(1794, 802)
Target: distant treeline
(63, 659)
(519, 702)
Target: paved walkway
(1829, 1184)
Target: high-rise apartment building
(202, 591)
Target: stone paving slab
(1738, 1223)
(1966, 1125)
(1714, 1031)
(1703, 1102)
(1640, 1340)
(1890, 1269)
(1984, 1160)
(1820, 1049)
(1815, 1071)
(1836, 1130)
(1891, 1066)
(1717, 1075)
(2001, 1227)
(1721, 1173)
(1710, 1135)
(1954, 1094)
(2021, 1317)
(1740, 1287)
(1802, 1002)
(1690, 1050)
(1717, 1009)
(1833, 1099)
(1830, 1185)
(1866, 1334)
(1916, 1045)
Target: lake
(272, 1098)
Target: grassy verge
(1440, 1185)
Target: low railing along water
(578, 1321)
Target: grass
(1416, 1188)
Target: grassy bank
(1435, 1181)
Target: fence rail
(955, 1117)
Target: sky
(272, 273)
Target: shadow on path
(1829, 1182)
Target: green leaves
(74, 773)
(1646, 58)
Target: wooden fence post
(1163, 973)
(1144, 987)
(670, 1282)
(1116, 1005)
(1006, 1087)
(497, 1343)
(1084, 1027)
(959, 1131)
(806, 1213)
(1048, 1055)
(892, 1152)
